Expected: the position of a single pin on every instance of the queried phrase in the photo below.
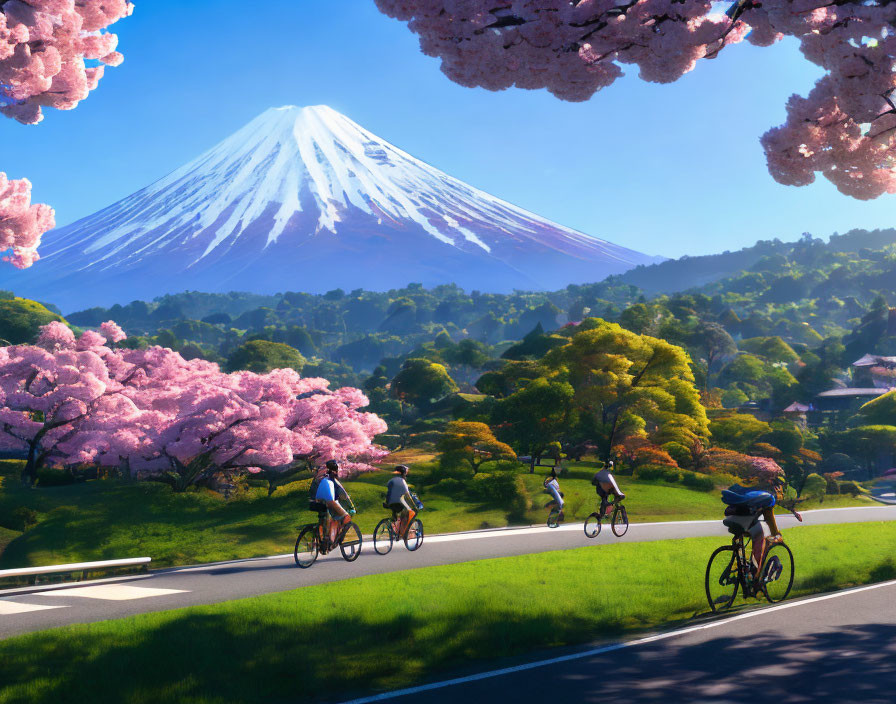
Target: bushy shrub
(450, 487)
(698, 482)
(852, 488)
(814, 487)
(51, 476)
(658, 472)
(679, 453)
(502, 489)
(498, 488)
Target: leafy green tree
(737, 431)
(631, 384)
(21, 320)
(774, 349)
(472, 443)
(534, 417)
(422, 381)
(814, 487)
(715, 342)
(261, 356)
(880, 411)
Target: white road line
(112, 592)
(9, 608)
(535, 530)
(610, 648)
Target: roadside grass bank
(329, 642)
(110, 519)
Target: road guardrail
(82, 567)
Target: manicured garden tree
(261, 356)
(630, 385)
(737, 431)
(273, 424)
(472, 443)
(421, 381)
(52, 54)
(754, 471)
(534, 417)
(153, 414)
(48, 391)
(845, 129)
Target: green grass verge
(100, 520)
(324, 643)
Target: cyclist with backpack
(605, 484)
(325, 492)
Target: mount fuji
(304, 199)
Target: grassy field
(99, 520)
(327, 642)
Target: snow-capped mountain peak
(309, 184)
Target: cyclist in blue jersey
(327, 490)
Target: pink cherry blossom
(21, 223)
(155, 415)
(52, 54)
(112, 331)
(845, 129)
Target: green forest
(673, 384)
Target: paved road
(38, 609)
(835, 648)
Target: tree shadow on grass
(245, 656)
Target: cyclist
(766, 498)
(552, 487)
(605, 484)
(399, 499)
(326, 490)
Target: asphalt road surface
(38, 608)
(834, 648)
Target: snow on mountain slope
(305, 199)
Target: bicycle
(618, 523)
(554, 514)
(730, 567)
(314, 540)
(387, 531)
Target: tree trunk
(29, 473)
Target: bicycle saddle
(737, 495)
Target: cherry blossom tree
(153, 414)
(47, 392)
(52, 54)
(845, 129)
(21, 223)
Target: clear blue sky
(666, 169)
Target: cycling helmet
(401, 469)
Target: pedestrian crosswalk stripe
(8, 608)
(111, 592)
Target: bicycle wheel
(382, 537)
(592, 525)
(307, 548)
(722, 578)
(413, 539)
(554, 518)
(777, 573)
(350, 545)
(620, 522)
